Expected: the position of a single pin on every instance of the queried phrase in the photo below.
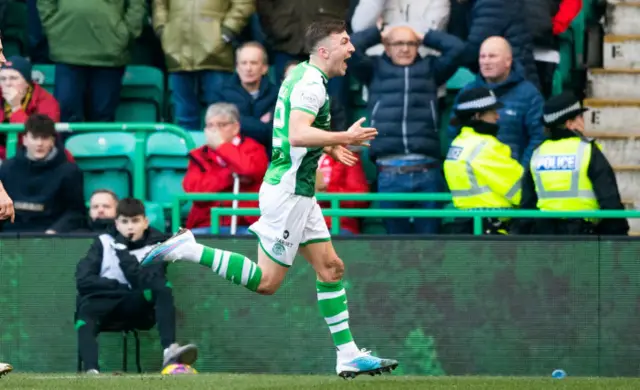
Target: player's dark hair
(40, 125)
(130, 207)
(317, 31)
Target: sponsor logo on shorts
(283, 242)
(285, 235)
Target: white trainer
(5, 368)
(364, 363)
(173, 249)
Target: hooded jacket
(47, 194)
(111, 268)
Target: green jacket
(192, 32)
(92, 32)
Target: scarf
(25, 103)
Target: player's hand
(359, 135)
(6, 207)
(343, 155)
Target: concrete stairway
(614, 100)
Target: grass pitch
(21, 381)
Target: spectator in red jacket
(21, 97)
(212, 168)
(546, 20)
(336, 177)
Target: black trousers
(132, 309)
(546, 71)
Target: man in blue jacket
(520, 119)
(402, 105)
(252, 92)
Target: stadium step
(621, 52)
(618, 84)
(622, 17)
(612, 115)
(628, 178)
(634, 223)
(620, 148)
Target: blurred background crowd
(213, 68)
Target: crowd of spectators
(217, 56)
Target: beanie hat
(21, 65)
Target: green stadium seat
(106, 160)
(45, 75)
(166, 166)
(142, 95)
(198, 138)
(355, 91)
(155, 214)
(461, 78)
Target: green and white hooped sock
(332, 300)
(234, 267)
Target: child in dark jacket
(113, 288)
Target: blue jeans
(431, 180)
(101, 85)
(189, 89)
(224, 230)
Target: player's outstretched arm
(302, 134)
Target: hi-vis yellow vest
(559, 169)
(481, 173)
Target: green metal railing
(477, 215)
(141, 131)
(334, 198)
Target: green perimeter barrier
(446, 305)
(141, 131)
(477, 215)
(334, 198)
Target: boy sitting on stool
(112, 287)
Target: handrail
(334, 198)
(477, 215)
(139, 128)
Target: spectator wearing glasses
(226, 157)
(403, 101)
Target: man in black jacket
(47, 190)
(112, 287)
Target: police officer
(479, 169)
(569, 172)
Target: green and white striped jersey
(294, 168)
